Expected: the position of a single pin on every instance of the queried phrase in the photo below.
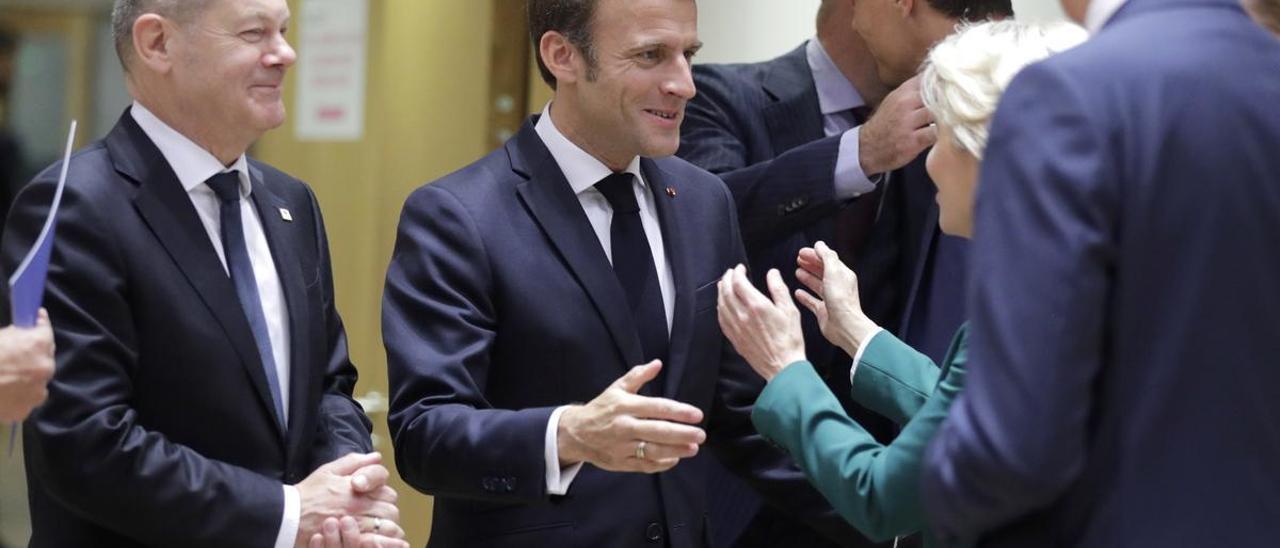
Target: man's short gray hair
(124, 13)
(966, 73)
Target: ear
(905, 7)
(560, 55)
(151, 35)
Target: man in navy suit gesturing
(576, 264)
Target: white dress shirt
(583, 171)
(194, 166)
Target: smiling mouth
(664, 114)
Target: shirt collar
(192, 164)
(1099, 12)
(580, 168)
(835, 92)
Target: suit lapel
(677, 250)
(280, 239)
(555, 208)
(168, 212)
(794, 117)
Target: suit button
(653, 533)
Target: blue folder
(26, 285)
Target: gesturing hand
(765, 332)
(621, 431)
(899, 130)
(837, 304)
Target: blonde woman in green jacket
(875, 486)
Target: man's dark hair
(974, 10)
(572, 18)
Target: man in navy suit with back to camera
(555, 359)
(1125, 315)
(827, 143)
(202, 396)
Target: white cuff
(290, 518)
(558, 479)
(857, 356)
(849, 180)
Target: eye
(650, 56)
(253, 35)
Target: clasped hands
(766, 331)
(347, 503)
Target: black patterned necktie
(227, 187)
(633, 264)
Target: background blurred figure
(203, 389)
(1265, 12)
(1125, 316)
(10, 151)
(875, 486)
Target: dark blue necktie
(227, 187)
(633, 264)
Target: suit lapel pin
(671, 191)
(284, 214)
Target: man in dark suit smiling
(203, 389)
(577, 263)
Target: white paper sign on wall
(331, 70)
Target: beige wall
(425, 111)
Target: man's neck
(226, 149)
(850, 55)
(567, 122)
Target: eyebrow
(264, 17)
(662, 45)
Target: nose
(281, 54)
(680, 82)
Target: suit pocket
(704, 298)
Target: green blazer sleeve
(893, 379)
(874, 487)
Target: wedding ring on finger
(377, 525)
(640, 450)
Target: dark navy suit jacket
(501, 305)
(1125, 311)
(759, 126)
(159, 429)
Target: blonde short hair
(965, 74)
